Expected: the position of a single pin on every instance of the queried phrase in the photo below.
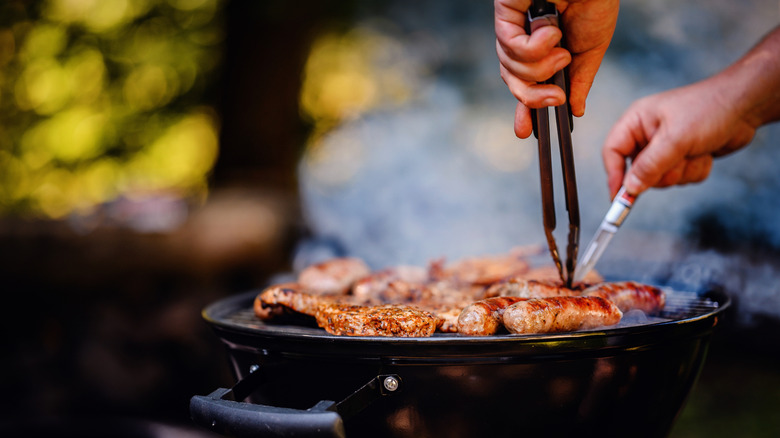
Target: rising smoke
(444, 176)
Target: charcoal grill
(295, 380)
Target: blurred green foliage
(100, 99)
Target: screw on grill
(391, 383)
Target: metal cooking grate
(244, 318)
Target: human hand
(526, 59)
(672, 137)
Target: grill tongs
(540, 14)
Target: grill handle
(241, 419)
(223, 411)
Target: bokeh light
(101, 100)
(348, 74)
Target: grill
(295, 380)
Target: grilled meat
(291, 296)
(560, 314)
(446, 300)
(386, 320)
(473, 296)
(376, 283)
(334, 276)
(629, 295)
(519, 287)
(550, 273)
(481, 270)
(448, 318)
(484, 317)
(339, 315)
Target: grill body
(626, 381)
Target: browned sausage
(629, 295)
(560, 314)
(482, 318)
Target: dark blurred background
(158, 155)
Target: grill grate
(683, 305)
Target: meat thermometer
(614, 218)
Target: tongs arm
(543, 13)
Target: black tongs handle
(543, 13)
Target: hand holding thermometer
(616, 214)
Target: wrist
(751, 86)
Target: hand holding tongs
(543, 13)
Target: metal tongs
(540, 14)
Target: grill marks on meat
(387, 320)
(560, 314)
(483, 317)
(630, 295)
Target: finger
(523, 47)
(697, 169)
(624, 140)
(661, 155)
(537, 70)
(672, 176)
(523, 123)
(510, 15)
(531, 94)
(582, 72)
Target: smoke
(444, 176)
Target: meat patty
(629, 295)
(386, 320)
(484, 317)
(560, 314)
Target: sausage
(483, 317)
(560, 314)
(629, 295)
